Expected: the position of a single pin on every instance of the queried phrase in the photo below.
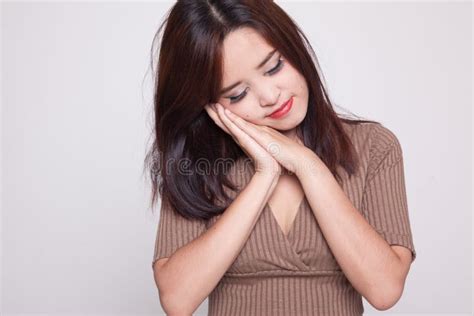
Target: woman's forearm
(367, 260)
(194, 270)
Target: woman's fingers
(235, 131)
(263, 160)
(211, 110)
(213, 113)
(257, 133)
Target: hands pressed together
(269, 149)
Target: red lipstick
(284, 109)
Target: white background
(77, 233)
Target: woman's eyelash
(271, 72)
(277, 67)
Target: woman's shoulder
(374, 134)
(373, 142)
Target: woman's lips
(283, 110)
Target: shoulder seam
(373, 170)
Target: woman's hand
(291, 154)
(263, 160)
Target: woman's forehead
(244, 43)
(244, 50)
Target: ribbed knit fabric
(297, 274)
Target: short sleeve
(174, 231)
(384, 201)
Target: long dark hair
(189, 75)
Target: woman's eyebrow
(264, 61)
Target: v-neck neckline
(293, 224)
(273, 218)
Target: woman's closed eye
(279, 65)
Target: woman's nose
(270, 97)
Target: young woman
(272, 203)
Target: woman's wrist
(309, 163)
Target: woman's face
(258, 92)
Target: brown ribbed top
(297, 274)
